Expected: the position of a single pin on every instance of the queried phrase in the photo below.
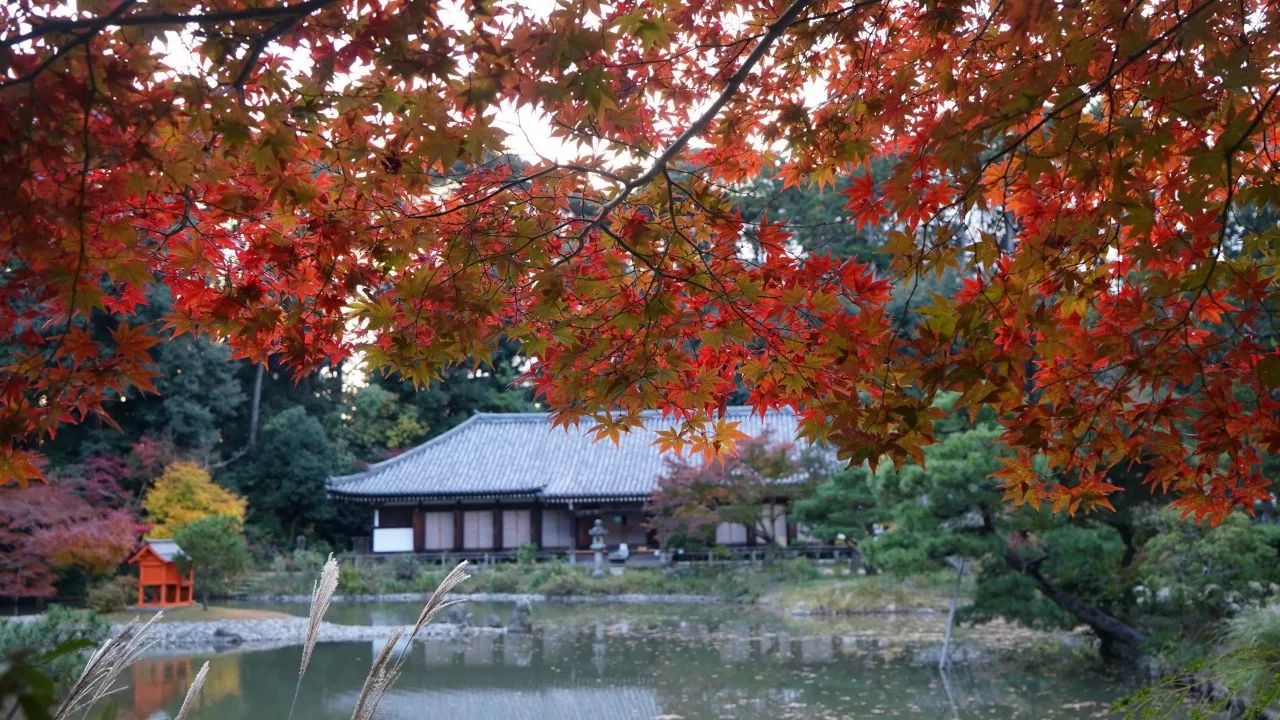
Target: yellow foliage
(183, 494)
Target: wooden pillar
(419, 530)
(573, 530)
(497, 528)
(535, 525)
(751, 535)
(457, 529)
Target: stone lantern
(597, 546)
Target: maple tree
(750, 488)
(328, 179)
(80, 521)
(183, 494)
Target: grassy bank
(729, 582)
(861, 594)
(198, 613)
(787, 584)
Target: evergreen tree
(214, 547)
(199, 394)
(284, 480)
(465, 390)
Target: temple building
(499, 481)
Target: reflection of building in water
(612, 703)
(479, 650)
(160, 683)
(735, 649)
(438, 652)
(817, 649)
(742, 648)
(517, 650)
(784, 645)
(557, 645)
(157, 682)
(767, 642)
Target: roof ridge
(406, 454)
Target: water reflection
(603, 666)
(158, 685)
(157, 681)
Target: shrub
(1191, 568)
(557, 578)
(1240, 679)
(793, 570)
(58, 627)
(355, 579)
(404, 568)
(427, 578)
(306, 562)
(526, 554)
(279, 564)
(214, 547)
(502, 579)
(112, 594)
(1250, 664)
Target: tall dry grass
(384, 672)
(321, 594)
(100, 675)
(98, 679)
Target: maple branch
(290, 15)
(788, 18)
(77, 41)
(83, 251)
(1095, 88)
(501, 188)
(113, 19)
(259, 45)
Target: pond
(647, 663)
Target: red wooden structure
(160, 584)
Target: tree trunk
(255, 404)
(204, 599)
(1119, 639)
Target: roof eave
(410, 498)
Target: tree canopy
(327, 179)
(749, 489)
(214, 547)
(1139, 577)
(79, 523)
(185, 493)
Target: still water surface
(618, 663)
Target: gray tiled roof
(166, 549)
(520, 454)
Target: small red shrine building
(160, 584)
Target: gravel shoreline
(281, 632)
